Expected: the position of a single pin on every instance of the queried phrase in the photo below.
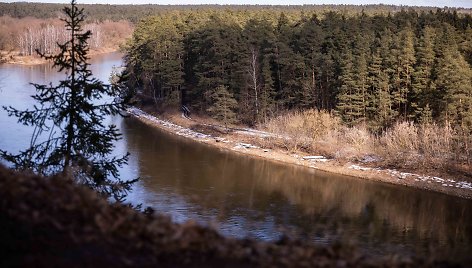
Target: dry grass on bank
(407, 145)
(319, 132)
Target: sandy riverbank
(239, 141)
(15, 57)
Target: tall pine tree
(423, 87)
(223, 106)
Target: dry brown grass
(426, 145)
(299, 130)
(405, 144)
(319, 132)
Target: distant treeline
(134, 13)
(28, 34)
(368, 69)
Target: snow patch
(241, 145)
(179, 130)
(315, 158)
(357, 167)
(370, 159)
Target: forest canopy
(373, 69)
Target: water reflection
(244, 196)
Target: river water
(247, 197)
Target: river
(243, 196)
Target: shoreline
(15, 59)
(462, 189)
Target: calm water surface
(243, 196)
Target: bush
(301, 130)
(409, 144)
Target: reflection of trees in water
(225, 183)
(41, 73)
(415, 215)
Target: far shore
(16, 58)
(239, 142)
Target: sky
(435, 3)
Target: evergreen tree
(466, 44)
(140, 65)
(347, 96)
(361, 74)
(71, 115)
(218, 59)
(257, 97)
(156, 57)
(354, 96)
(454, 81)
(423, 87)
(289, 66)
(308, 43)
(223, 106)
(268, 94)
(168, 59)
(378, 81)
(402, 80)
(336, 44)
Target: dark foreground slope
(50, 222)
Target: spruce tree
(423, 85)
(454, 81)
(289, 66)
(381, 109)
(267, 97)
(346, 106)
(403, 65)
(466, 44)
(361, 74)
(71, 117)
(308, 43)
(354, 98)
(223, 106)
(388, 55)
